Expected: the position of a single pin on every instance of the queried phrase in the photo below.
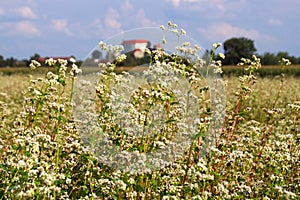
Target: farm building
(137, 47)
(131, 45)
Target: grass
(266, 70)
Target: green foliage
(271, 71)
(96, 54)
(273, 59)
(237, 48)
(36, 56)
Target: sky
(54, 28)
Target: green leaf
(199, 135)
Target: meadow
(257, 156)
(254, 155)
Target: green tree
(2, 61)
(96, 54)
(284, 54)
(237, 48)
(35, 57)
(148, 45)
(269, 59)
(11, 62)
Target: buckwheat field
(255, 153)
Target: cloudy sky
(74, 27)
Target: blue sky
(74, 27)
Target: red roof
(134, 41)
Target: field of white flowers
(256, 154)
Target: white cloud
(127, 7)
(94, 28)
(112, 19)
(31, 3)
(61, 25)
(223, 31)
(175, 3)
(2, 12)
(27, 27)
(202, 4)
(26, 12)
(212, 9)
(22, 28)
(274, 22)
(142, 20)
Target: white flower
(285, 62)
(131, 180)
(222, 55)
(121, 58)
(102, 45)
(72, 60)
(21, 164)
(121, 185)
(175, 31)
(216, 45)
(75, 70)
(62, 62)
(183, 32)
(203, 167)
(186, 44)
(68, 181)
(50, 62)
(34, 64)
(197, 47)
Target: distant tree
(284, 54)
(96, 54)
(21, 63)
(237, 48)
(11, 62)
(273, 59)
(269, 59)
(24, 62)
(2, 61)
(148, 45)
(35, 57)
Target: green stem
(57, 131)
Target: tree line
(237, 48)
(234, 50)
(14, 62)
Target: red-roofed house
(132, 45)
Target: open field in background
(267, 70)
(257, 155)
(14, 83)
